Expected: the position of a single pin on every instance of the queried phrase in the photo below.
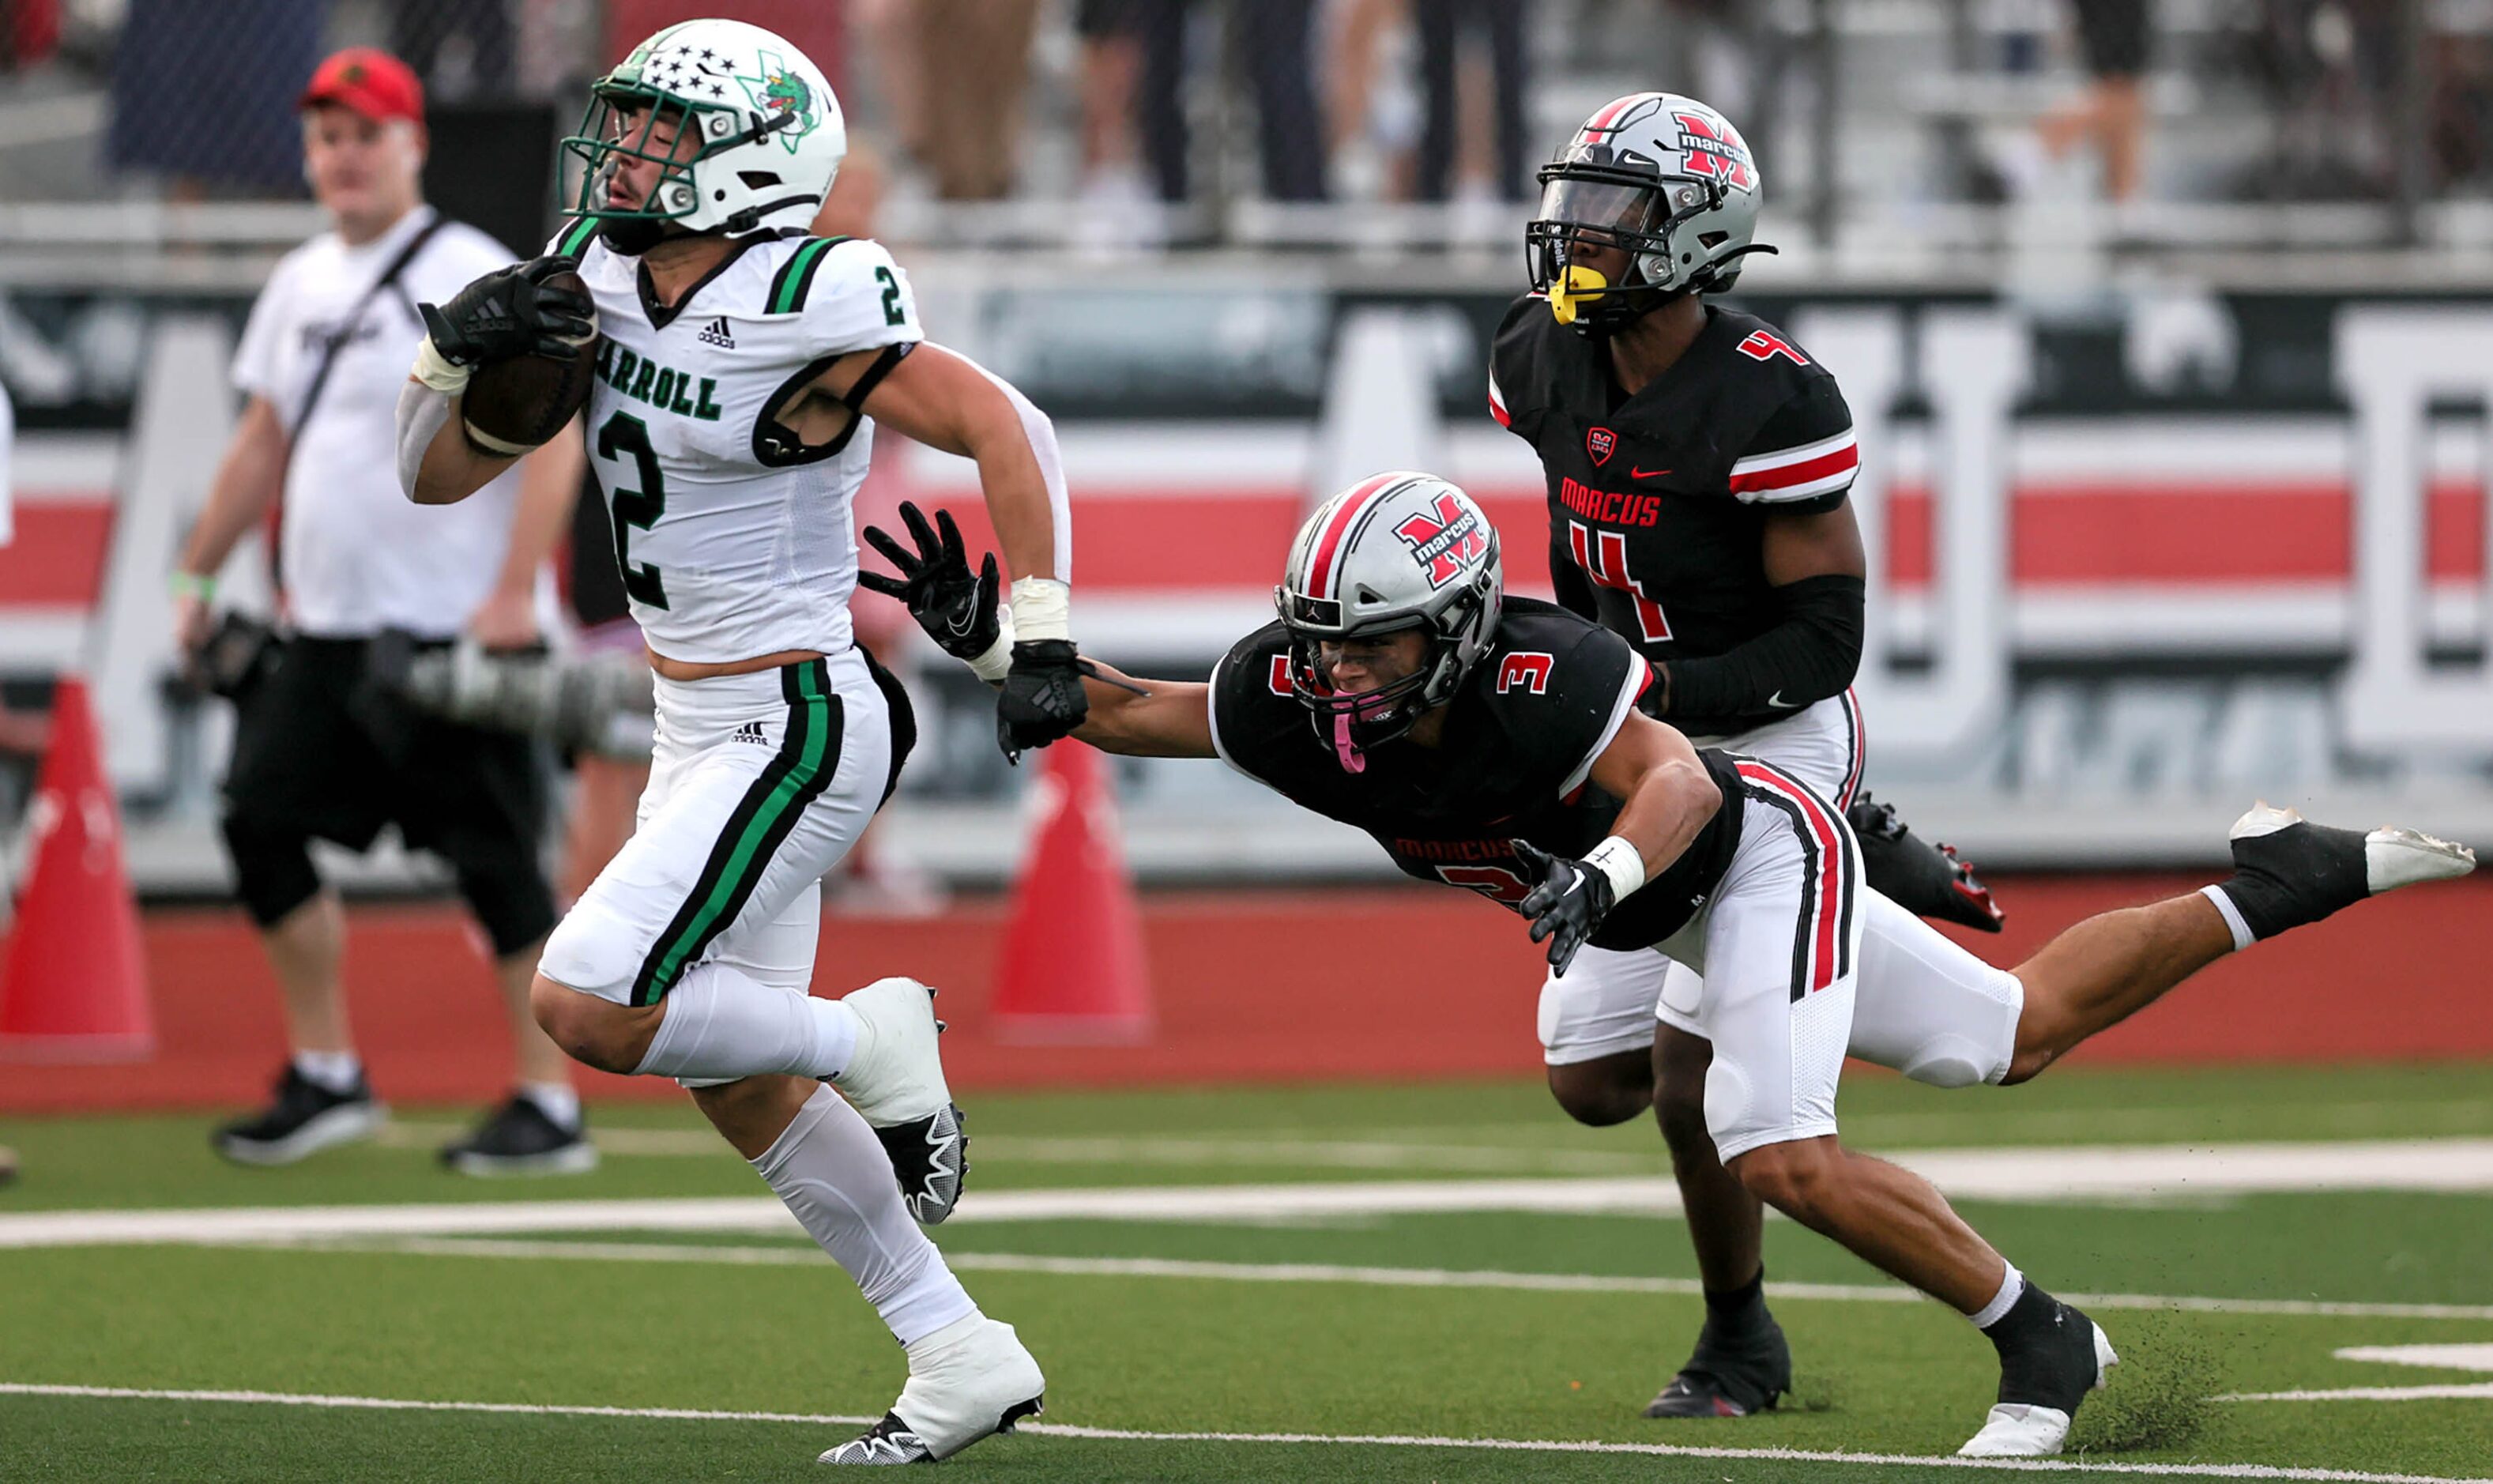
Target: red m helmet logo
(1445, 539)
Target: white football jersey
(734, 541)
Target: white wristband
(1043, 608)
(434, 369)
(997, 662)
(1619, 860)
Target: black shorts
(2113, 36)
(321, 753)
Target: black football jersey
(1516, 764)
(1658, 501)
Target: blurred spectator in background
(974, 69)
(1272, 37)
(322, 749)
(2112, 41)
(1118, 209)
(205, 94)
(29, 32)
(1732, 54)
(460, 48)
(1451, 84)
(954, 74)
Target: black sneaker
(1729, 1380)
(304, 1119)
(1925, 880)
(2289, 871)
(2051, 1355)
(520, 1140)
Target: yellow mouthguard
(1578, 283)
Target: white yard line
(1180, 1152)
(1355, 1273)
(2082, 1173)
(2473, 1389)
(1317, 1439)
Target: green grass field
(1208, 1337)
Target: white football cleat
(895, 1076)
(2030, 1430)
(894, 1079)
(969, 1380)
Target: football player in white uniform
(740, 367)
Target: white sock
(2232, 916)
(723, 1023)
(2012, 1287)
(335, 1071)
(832, 1173)
(558, 1101)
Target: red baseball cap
(369, 80)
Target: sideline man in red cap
(319, 753)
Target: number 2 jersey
(1515, 763)
(1658, 501)
(735, 539)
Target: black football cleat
(1729, 1380)
(2289, 871)
(2049, 1360)
(303, 1119)
(1922, 879)
(518, 1138)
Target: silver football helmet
(1395, 551)
(1661, 175)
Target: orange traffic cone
(1072, 967)
(75, 985)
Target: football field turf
(1432, 1282)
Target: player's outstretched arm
(962, 610)
(1668, 798)
(506, 312)
(951, 403)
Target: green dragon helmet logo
(780, 90)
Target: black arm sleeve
(1574, 588)
(1811, 654)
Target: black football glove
(510, 313)
(1044, 699)
(956, 608)
(1567, 906)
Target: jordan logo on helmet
(1598, 444)
(1715, 151)
(1445, 539)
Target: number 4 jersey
(1658, 501)
(1515, 763)
(735, 538)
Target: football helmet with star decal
(1661, 175)
(743, 129)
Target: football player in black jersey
(1697, 462)
(1495, 743)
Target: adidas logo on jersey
(715, 333)
(751, 731)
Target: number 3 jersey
(1658, 501)
(1515, 763)
(735, 538)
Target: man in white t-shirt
(320, 750)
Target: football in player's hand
(515, 404)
